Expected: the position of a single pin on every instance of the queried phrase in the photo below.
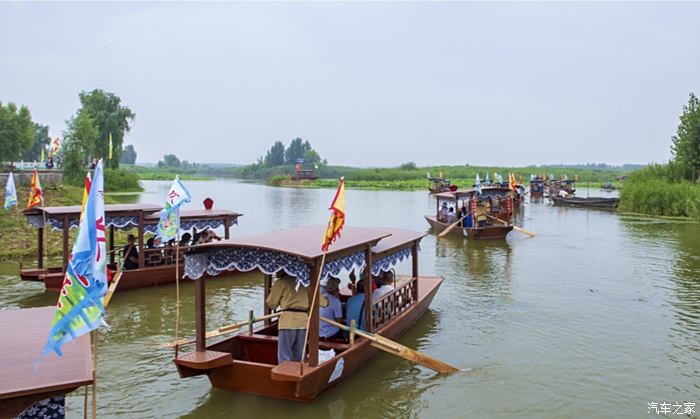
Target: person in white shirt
(386, 285)
(333, 310)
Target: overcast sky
(370, 84)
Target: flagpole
(313, 302)
(94, 377)
(177, 288)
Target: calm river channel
(597, 316)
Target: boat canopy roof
(297, 251)
(467, 193)
(126, 216)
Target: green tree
(311, 157)
(275, 155)
(109, 116)
(16, 132)
(686, 143)
(296, 150)
(80, 138)
(170, 160)
(129, 156)
(41, 140)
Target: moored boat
(592, 202)
(537, 187)
(248, 362)
(440, 184)
(156, 265)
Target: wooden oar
(112, 288)
(522, 230)
(451, 227)
(218, 332)
(398, 349)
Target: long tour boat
(490, 213)
(248, 362)
(155, 265)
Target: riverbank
(655, 191)
(155, 173)
(18, 239)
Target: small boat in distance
(537, 187)
(156, 265)
(592, 202)
(489, 213)
(440, 184)
(247, 362)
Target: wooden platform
(25, 332)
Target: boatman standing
(294, 304)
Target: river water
(597, 316)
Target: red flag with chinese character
(337, 221)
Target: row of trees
(171, 161)
(278, 155)
(86, 136)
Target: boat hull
(257, 377)
(492, 232)
(601, 203)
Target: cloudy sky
(370, 84)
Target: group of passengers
(130, 252)
(293, 301)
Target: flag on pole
(79, 309)
(511, 181)
(487, 180)
(36, 196)
(56, 145)
(500, 179)
(110, 146)
(477, 185)
(169, 222)
(337, 220)
(42, 155)
(10, 192)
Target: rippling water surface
(595, 317)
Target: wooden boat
(156, 265)
(248, 363)
(489, 232)
(500, 206)
(440, 184)
(566, 185)
(593, 202)
(23, 382)
(537, 187)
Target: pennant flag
(10, 192)
(511, 181)
(79, 309)
(487, 180)
(56, 145)
(500, 179)
(110, 146)
(42, 154)
(36, 196)
(337, 220)
(169, 223)
(477, 185)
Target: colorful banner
(79, 309)
(110, 146)
(169, 223)
(10, 192)
(36, 195)
(477, 185)
(337, 221)
(56, 145)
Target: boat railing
(395, 302)
(159, 256)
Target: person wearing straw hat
(332, 310)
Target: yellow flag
(337, 220)
(42, 155)
(110, 146)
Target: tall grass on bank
(658, 190)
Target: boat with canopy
(488, 214)
(247, 362)
(155, 265)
